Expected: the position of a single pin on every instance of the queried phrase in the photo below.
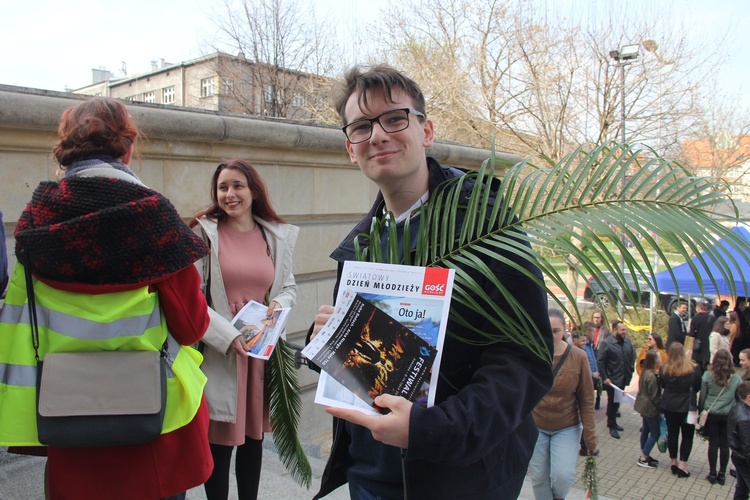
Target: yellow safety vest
(75, 322)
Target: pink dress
(247, 271)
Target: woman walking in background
(718, 395)
(647, 404)
(719, 338)
(653, 343)
(251, 259)
(680, 380)
(559, 415)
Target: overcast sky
(54, 44)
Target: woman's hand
(272, 307)
(238, 346)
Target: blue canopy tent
(736, 265)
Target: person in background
(680, 380)
(589, 330)
(676, 326)
(653, 343)
(3, 258)
(647, 405)
(601, 331)
(699, 331)
(738, 425)
(719, 337)
(567, 406)
(742, 336)
(720, 310)
(733, 325)
(102, 239)
(616, 360)
(588, 348)
(718, 388)
(251, 260)
(745, 364)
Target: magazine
(260, 332)
(416, 298)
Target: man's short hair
(743, 390)
(381, 78)
(588, 325)
(702, 305)
(724, 303)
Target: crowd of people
(692, 386)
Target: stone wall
(311, 181)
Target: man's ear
(350, 150)
(429, 133)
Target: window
(228, 86)
(207, 87)
(298, 101)
(148, 96)
(168, 95)
(268, 94)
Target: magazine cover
(371, 354)
(260, 332)
(416, 297)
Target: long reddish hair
(100, 125)
(261, 201)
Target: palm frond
(571, 208)
(285, 405)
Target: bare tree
(545, 84)
(286, 58)
(719, 145)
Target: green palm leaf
(572, 208)
(285, 404)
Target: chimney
(100, 75)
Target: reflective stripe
(81, 328)
(173, 348)
(19, 375)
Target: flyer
(260, 332)
(417, 298)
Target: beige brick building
(221, 82)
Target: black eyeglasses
(391, 121)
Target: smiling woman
(251, 259)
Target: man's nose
(378, 133)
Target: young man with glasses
(477, 440)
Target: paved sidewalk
(619, 476)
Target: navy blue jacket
(477, 440)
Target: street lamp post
(651, 46)
(623, 57)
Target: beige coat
(221, 369)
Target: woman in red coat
(100, 230)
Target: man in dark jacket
(677, 331)
(616, 360)
(721, 310)
(476, 441)
(700, 330)
(738, 425)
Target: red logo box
(435, 279)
